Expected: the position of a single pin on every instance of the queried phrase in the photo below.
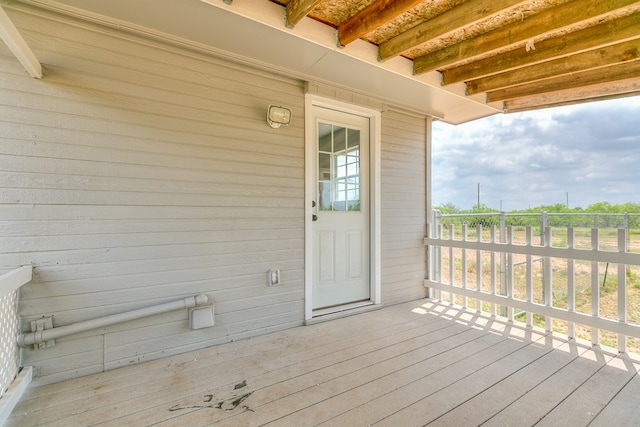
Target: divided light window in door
(338, 168)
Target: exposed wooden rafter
(627, 70)
(594, 37)
(298, 9)
(371, 17)
(461, 16)
(584, 61)
(519, 53)
(598, 92)
(534, 26)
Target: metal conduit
(25, 340)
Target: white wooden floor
(418, 363)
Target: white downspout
(25, 340)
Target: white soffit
(253, 31)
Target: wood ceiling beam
(605, 33)
(460, 16)
(626, 70)
(518, 32)
(610, 55)
(298, 9)
(371, 17)
(601, 92)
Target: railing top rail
(538, 214)
(596, 255)
(470, 214)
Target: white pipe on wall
(62, 331)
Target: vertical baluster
(479, 269)
(529, 278)
(510, 275)
(435, 255)
(438, 255)
(452, 270)
(493, 269)
(547, 274)
(571, 283)
(595, 287)
(503, 264)
(622, 289)
(465, 300)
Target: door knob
(314, 217)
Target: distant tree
(557, 208)
(600, 207)
(447, 208)
(630, 207)
(481, 209)
(606, 207)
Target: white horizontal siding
(134, 174)
(403, 206)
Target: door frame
(375, 118)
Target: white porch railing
(9, 324)
(567, 282)
(12, 384)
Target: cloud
(590, 151)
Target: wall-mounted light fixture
(278, 116)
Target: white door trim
(375, 119)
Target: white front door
(341, 217)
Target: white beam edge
(11, 36)
(11, 398)
(271, 15)
(12, 280)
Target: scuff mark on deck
(210, 402)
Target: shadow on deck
(418, 363)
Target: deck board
(588, 400)
(324, 388)
(432, 403)
(623, 410)
(180, 374)
(541, 399)
(484, 405)
(402, 371)
(416, 363)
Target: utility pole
(567, 200)
(478, 197)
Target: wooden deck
(417, 363)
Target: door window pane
(338, 168)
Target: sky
(583, 153)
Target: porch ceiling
(527, 54)
(457, 60)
